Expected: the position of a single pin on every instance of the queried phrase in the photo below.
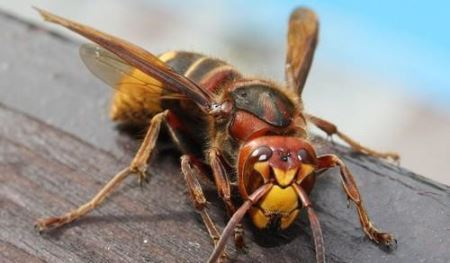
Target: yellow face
(280, 206)
(282, 165)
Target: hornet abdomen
(209, 73)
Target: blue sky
(405, 41)
(402, 40)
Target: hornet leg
(236, 218)
(328, 161)
(314, 222)
(331, 129)
(190, 172)
(224, 190)
(138, 166)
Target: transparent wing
(140, 59)
(123, 77)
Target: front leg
(314, 223)
(328, 161)
(138, 166)
(223, 188)
(331, 129)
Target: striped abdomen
(137, 100)
(209, 73)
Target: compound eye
(262, 153)
(304, 156)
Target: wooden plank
(44, 76)
(48, 169)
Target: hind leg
(331, 129)
(138, 166)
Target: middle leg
(190, 172)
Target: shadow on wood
(48, 169)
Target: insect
(251, 133)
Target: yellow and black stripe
(209, 73)
(140, 96)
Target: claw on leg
(378, 236)
(142, 178)
(138, 166)
(199, 200)
(140, 161)
(350, 188)
(54, 222)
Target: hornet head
(281, 161)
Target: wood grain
(46, 169)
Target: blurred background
(381, 71)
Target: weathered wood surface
(48, 169)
